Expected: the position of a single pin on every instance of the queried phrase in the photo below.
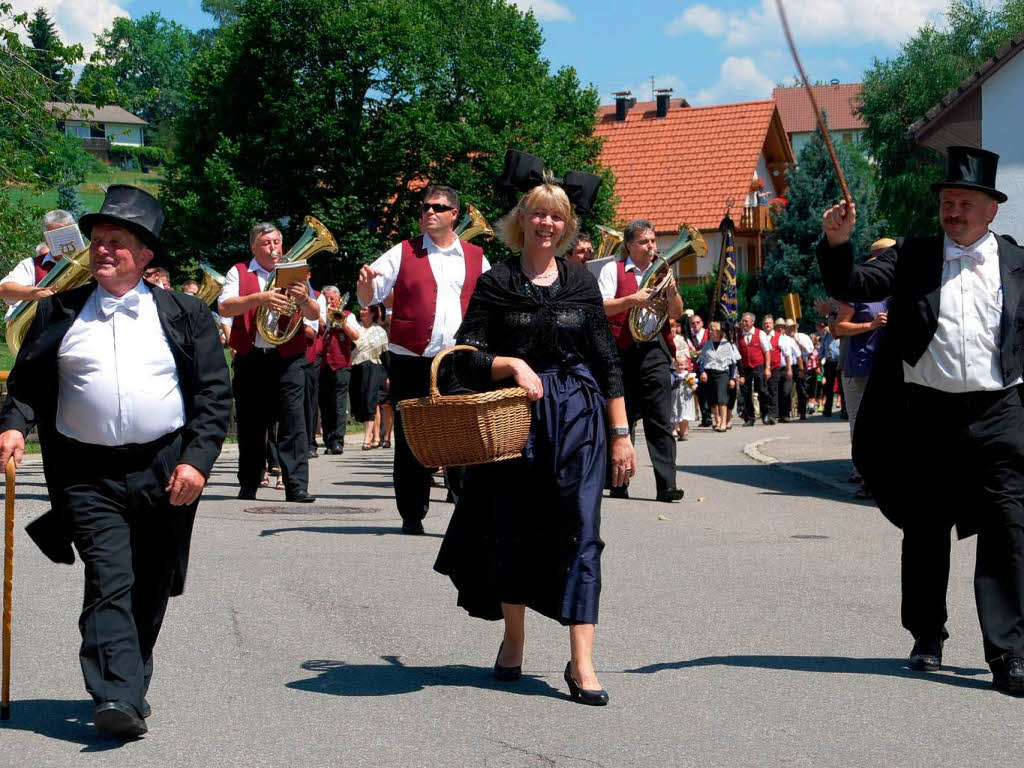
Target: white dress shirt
(766, 346)
(118, 381)
(805, 343)
(231, 288)
(963, 355)
(790, 350)
(449, 268)
(24, 273)
(608, 278)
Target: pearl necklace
(537, 275)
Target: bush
(141, 155)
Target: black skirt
(364, 390)
(718, 387)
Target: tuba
(213, 284)
(70, 272)
(279, 328)
(611, 239)
(645, 322)
(473, 224)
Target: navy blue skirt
(527, 531)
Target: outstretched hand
(838, 222)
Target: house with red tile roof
(677, 164)
(839, 101)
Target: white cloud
(642, 90)
(738, 80)
(77, 21)
(850, 22)
(545, 10)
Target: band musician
(20, 284)
(336, 369)
(432, 276)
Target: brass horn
(645, 321)
(473, 224)
(213, 284)
(279, 328)
(611, 239)
(70, 272)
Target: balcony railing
(756, 219)
(96, 145)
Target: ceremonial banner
(728, 298)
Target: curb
(753, 451)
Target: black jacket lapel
(1011, 275)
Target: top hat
(970, 168)
(132, 208)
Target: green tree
(345, 111)
(224, 11)
(49, 55)
(790, 265)
(898, 91)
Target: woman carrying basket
(526, 532)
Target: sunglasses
(436, 208)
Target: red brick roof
(839, 102)
(683, 167)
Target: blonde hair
(714, 325)
(546, 195)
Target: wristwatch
(619, 431)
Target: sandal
(368, 446)
(265, 482)
(280, 485)
(385, 443)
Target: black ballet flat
(582, 695)
(506, 674)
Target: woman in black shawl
(526, 532)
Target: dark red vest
(412, 319)
(338, 348)
(751, 355)
(243, 327)
(776, 357)
(626, 285)
(42, 270)
(702, 338)
(315, 345)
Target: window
(78, 129)
(97, 131)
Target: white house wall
(1001, 126)
(124, 135)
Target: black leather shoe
(1008, 675)
(247, 494)
(313, 454)
(769, 422)
(413, 529)
(619, 492)
(582, 695)
(300, 497)
(706, 423)
(146, 709)
(749, 423)
(506, 674)
(671, 494)
(119, 718)
(926, 655)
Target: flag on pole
(728, 297)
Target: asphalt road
(754, 624)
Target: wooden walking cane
(814, 104)
(5, 694)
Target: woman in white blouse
(718, 359)
(368, 374)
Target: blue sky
(708, 51)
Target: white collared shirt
(963, 355)
(790, 350)
(766, 345)
(449, 268)
(608, 279)
(231, 288)
(118, 381)
(24, 273)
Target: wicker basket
(459, 430)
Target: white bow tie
(956, 252)
(129, 303)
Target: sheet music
(65, 241)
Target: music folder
(291, 273)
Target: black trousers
(334, 405)
(831, 371)
(312, 400)
(704, 400)
(775, 391)
(410, 377)
(753, 381)
(130, 539)
(984, 431)
(266, 387)
(645, 368)
(800, 384)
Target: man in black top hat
(127, 385)
(940, 436)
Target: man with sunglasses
(581, 250)
(432, 277)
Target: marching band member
(775, 376)
(20, 283)
(646, 365)
(755, 366)
(128, 387)
(701, 336)
(336, 371)
(432, 276)
(580, 250)
(269, 381)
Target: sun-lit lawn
(92, 190)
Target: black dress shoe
(671, 494)
(313, 454)
(146, 709)
(300, 497)
(506, 674)
(926, 655)
(619, 492)
(706, 423)
(247, 494)
(1008, 675)
(119, 718)
(413, 529)
(748, 423)
(769, 422)
(582, 695)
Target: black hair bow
(524, 171)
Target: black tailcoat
(910, 275)
(33, 385)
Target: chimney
(664, 96)
(623, 101)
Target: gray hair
(261, 229)
(635, 228)
(330, 289)
(751, 315)
(56, 219)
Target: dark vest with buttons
(751, 355)
(626, 285)
(243, 327)
(338, 347)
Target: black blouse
(556, 326)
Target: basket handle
(436, 365)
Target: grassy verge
(91, 191)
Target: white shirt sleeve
(350, 321)
(230, 290)
(388, 266)
(608, 280)
(766, 345)
(322, 301)
(24, 273)
(485, 265)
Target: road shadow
(393, 678)
(365, 530)
(772, 482)
(62, 719)
(846, 665)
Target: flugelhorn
(645, 321)
(473, 224)
(278, 328)
(70, 272)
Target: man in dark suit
(127, 385)
(944, 401)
